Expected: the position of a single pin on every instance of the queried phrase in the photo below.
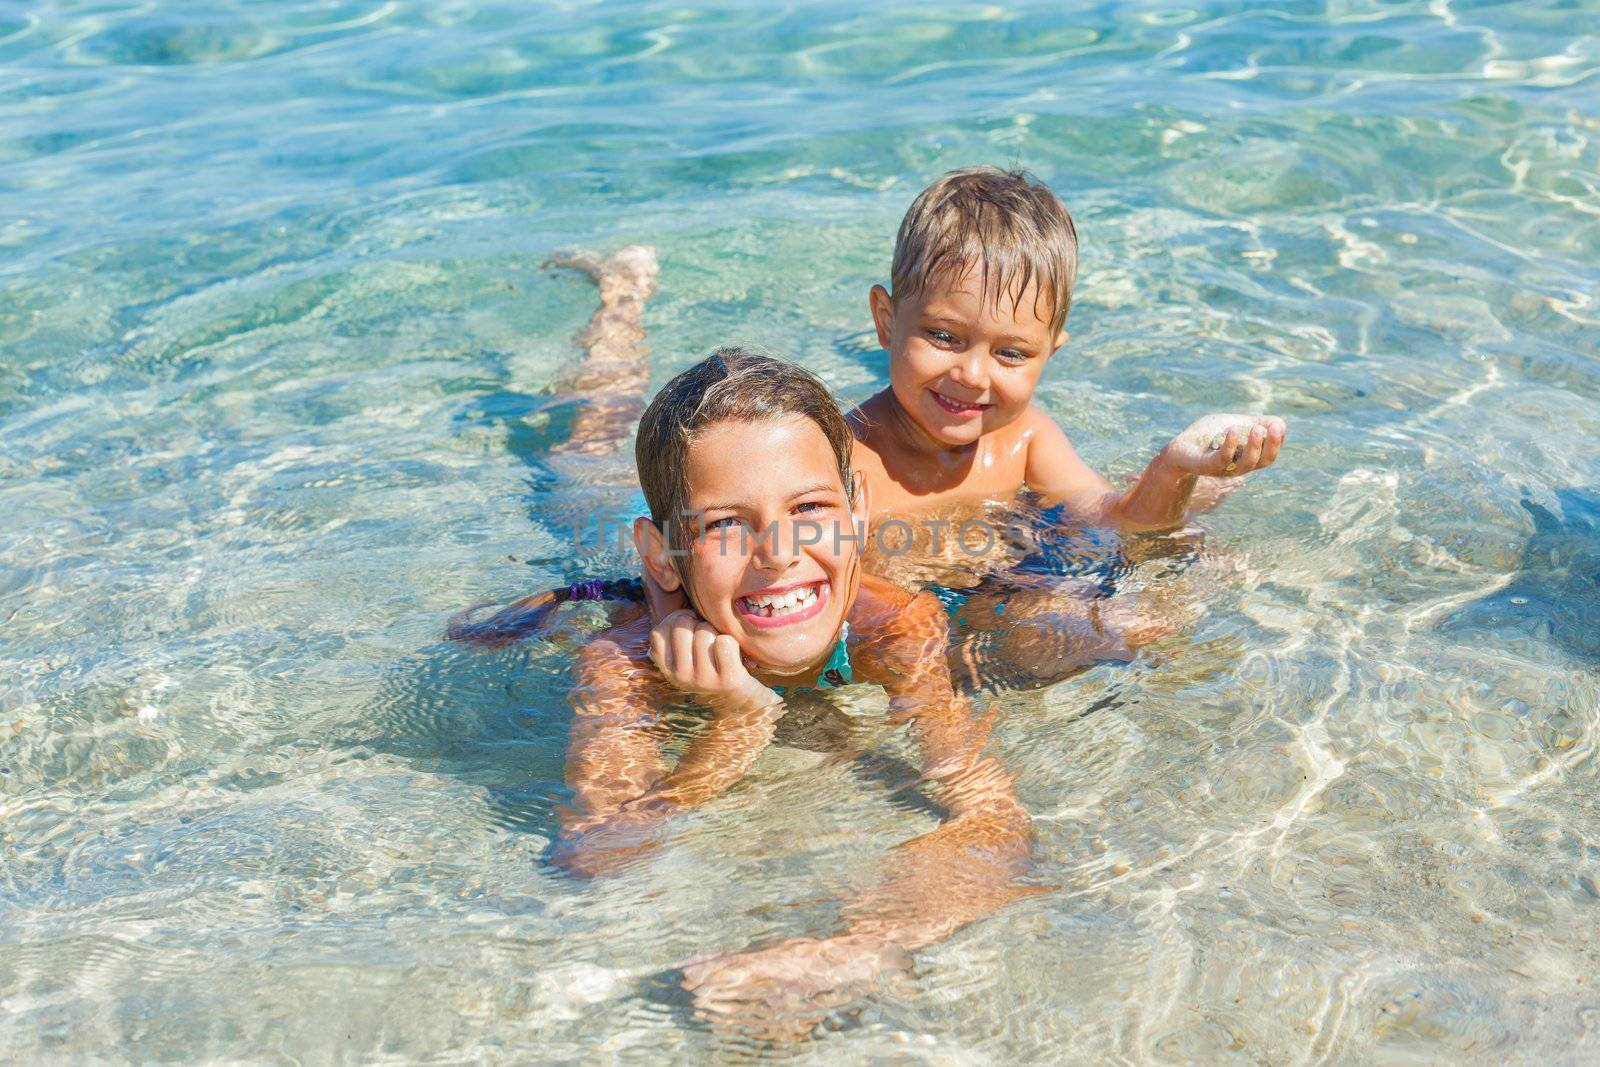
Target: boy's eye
(1012, 355)
(941, 337)
(811, 506)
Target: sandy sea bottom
(276, 361)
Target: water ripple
(276, 398)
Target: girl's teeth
(782, 604)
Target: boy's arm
(1216, 450)
(622, 790)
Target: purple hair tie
(593, 589)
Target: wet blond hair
(1008, 226)
(730, 385)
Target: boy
(983, 271)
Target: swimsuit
(1059, 552)
(835, 673)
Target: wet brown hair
(731, 385)
(1009, 227)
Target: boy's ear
(653, 553)
(882, 305)
(1061, 341)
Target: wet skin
(957, 422)
(623, 790)
(957, 427)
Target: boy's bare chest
(924, 516)
(904, 487)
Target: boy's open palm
(1227, 446)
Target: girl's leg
(609, 387)
(615, 373)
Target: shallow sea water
(275, 358)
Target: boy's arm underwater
(1191, 475)
(930, 886)
(622, 790)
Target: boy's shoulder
(863, 417)
(1042, 433)
(1037, 420)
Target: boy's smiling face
(771, 562)
(963, 362)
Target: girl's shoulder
(893, 629)
(878, 600)
(614, 673)
(887, 615)
(626, 644)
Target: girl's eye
(940, 337)
(727, 522)
(811, 505)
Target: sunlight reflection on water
(274, 358)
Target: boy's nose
(972, 370)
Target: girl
(752, 559)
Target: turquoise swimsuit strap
(835, 673)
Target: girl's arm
(966, 868)
(613, 756)
(932, 885)
(622, 790)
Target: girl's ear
(663, 586)
(882, 315)
(655, 555)
(860, 500)
(860, 513)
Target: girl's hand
(1227, 446)
(780, 993)
(695, 658)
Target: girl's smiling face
(773, 558)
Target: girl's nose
(778, 546)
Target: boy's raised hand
(1228, 446)
(696, 659)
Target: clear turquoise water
(273, 346)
